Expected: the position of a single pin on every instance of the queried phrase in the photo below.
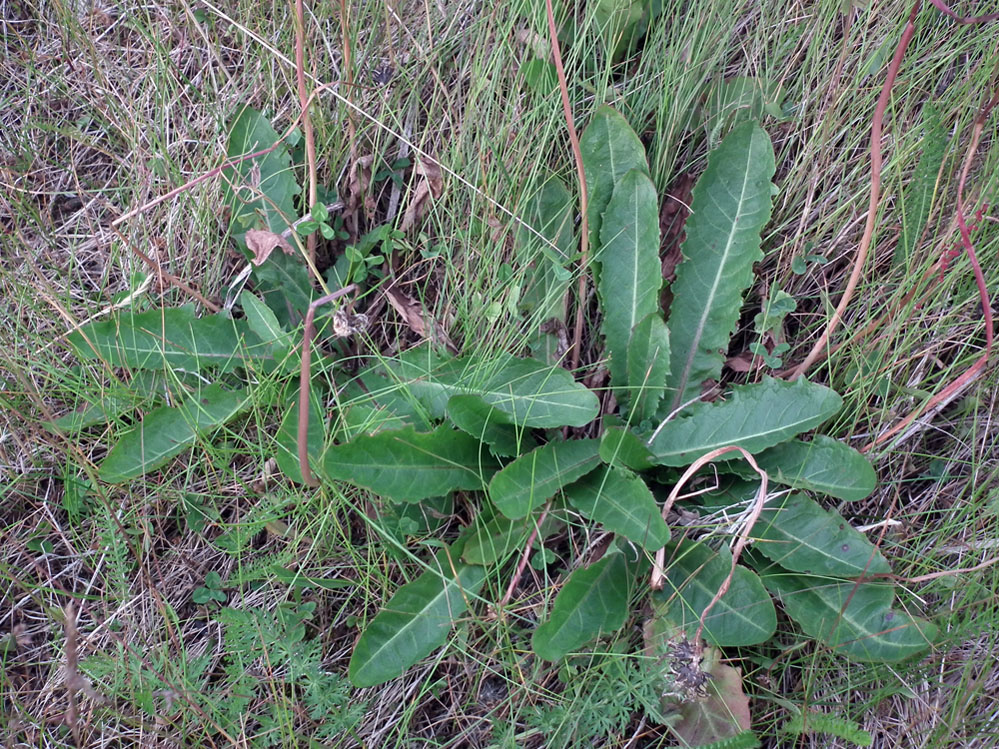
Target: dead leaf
(262, 243)
(429, 187)
(416, 320)
(358, 182)
(722, 714)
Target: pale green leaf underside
(754, 417)
(407, 466)
(630, 269)
(414, 622)
(823, 465)
(610, 149)
(800, 536)
(731, 203)
(622, 503)
(854, 619)
(593, 601)
(529, 481)
(168, 431)
(745, 615)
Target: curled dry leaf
(429, 187)
(348, 323)
(722, 713)
(262, 243)
(358, 182)
(416, 320)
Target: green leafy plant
(431, 424)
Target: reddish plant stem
(523, 559)
(304, 380)
(577, 155)
(942, 7)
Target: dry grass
(104, 108)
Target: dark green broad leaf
(593, 601)
(800, 536)
(745, 615)
(166, 432)
(473, 415)
(167, 338)
(530, 393)
(262, 321)
(528, 482)
(407, 466)
(414, 623)
(823, 465)
(261, 187)
(622, 447)
(753, 417)
(610, 149)
(492, 542)
(854, 619)
(621, 502)
(731, 204)
(648, 366)
(286, 450)
(630, 272)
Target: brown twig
(877, 123)
(304, 380)
(577, 155)
(303, 98)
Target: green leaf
(407, 466)
(610, 149)
(167, 338)
(284, 284)
(168, 431)
(823, 465)
(474, 416)
(853, 619)
(550, 213)
(530, 393)
(754, 417)
(262, 321)
(648, 366)
(802, 537)
(622, 447)
(731, 204)
(593, 601)
(917, 197)
(529, 481)
(630, 269)
(621, 502)
(261, 187)
(745, 615)
(414, 623)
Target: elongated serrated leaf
(529, 481)
(407, 466)
(286, 450)
(593, 601)
(621, 502)
(168, 338)
(530, 393)
(800, 536)
(917, 198)
(753, 417)
(731, 204)
(610, 149)
(630, 269)
(414, 623)
(474, 416)
(168, 431)
(745, 615)
(263, 186)
(622, 447)
(853, 619)
(823, 465)
(648, 366)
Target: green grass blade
(414, 623)
(731, 204)
(630, 270)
